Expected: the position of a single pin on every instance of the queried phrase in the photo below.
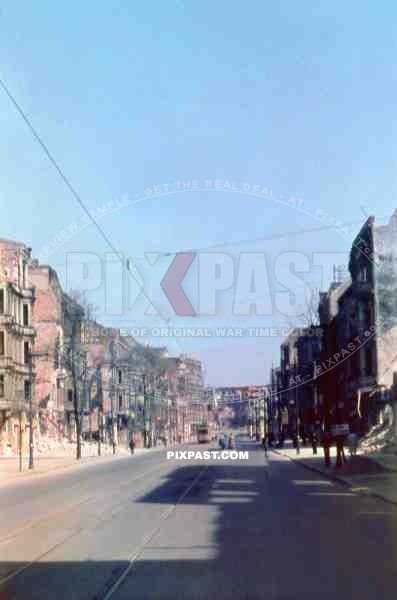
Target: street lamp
(182, 366)
(30, 357)
(131, 410)
(112, 378)
(20, 406)
(297, 414)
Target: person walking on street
(340, 450)
(352, 441)
(132, 445)
(314, 441)
(264, 444)
(327, 440)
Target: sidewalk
(9, 466)
(363, 474)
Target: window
(56, 353)
(26, 314)
(2, 301)
(16, 309)
(26, 351)
(2, 343)
(1, 386)
(27, 390)
(120, 376)
(363, 274)
(360, 312)
(24, 273)
(70, 396)
(120, 402)
(84, 369)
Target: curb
(27, 474)
(341, 480)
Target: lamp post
(182, 366)
(32, 355)
(131, 411)
(146, 412)
(112, 377)
(20, 406)
(100, 407)
(297, 415)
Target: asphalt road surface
(150, 528)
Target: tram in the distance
(203, 434)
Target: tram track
(100, 519)
(114, 583)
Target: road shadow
(242, 531)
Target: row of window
(25, 308)
(26, 348)
(26, 388)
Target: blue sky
(298, 97)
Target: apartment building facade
(17, 337)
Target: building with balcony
(17, 336)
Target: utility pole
(20, 439)
(136, 421)
(297, 417)
(77, 416)
(100, 410)
(111, 405)
(129, 422)
(31, 461)
(32, 354)
(145, 428)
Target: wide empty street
(146, 527)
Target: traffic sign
(341, 429)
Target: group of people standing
(325, 439)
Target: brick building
(359, 321)
(296, 383)
(57, 319)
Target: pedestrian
(352, 442)
(264, 444)
(327, 440)
(340, 450)
(314, 441)
(132, 445)
(302, 433)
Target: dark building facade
(359, 322)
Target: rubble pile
(51, 447)
(379, 438)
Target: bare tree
(76, 389)
(310, 316)
(77, 315)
